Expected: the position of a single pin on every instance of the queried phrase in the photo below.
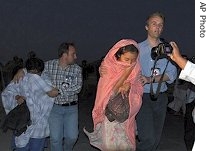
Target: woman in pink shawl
(122, 76)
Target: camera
(161, 50)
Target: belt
(68, 104)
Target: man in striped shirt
(66, 76)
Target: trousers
(150, 121)
(63, 122)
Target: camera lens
(161, 50)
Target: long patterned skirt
(110, 136)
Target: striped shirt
(68, 80)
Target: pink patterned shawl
(106, 83)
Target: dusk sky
(93, 25)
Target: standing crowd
(128, 72)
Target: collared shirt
(34, 88)
(147, 64)
(68, 80)
(188, 73)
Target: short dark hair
(64, 48)
(34, 64)
(159, 14)
(124, 49)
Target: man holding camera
(156, 71)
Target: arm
(188, 68)
(146, 80)
(102, 70)
(74, 78)
(124, 89)
(53, 93)
(19, 75)
(122, 85)
(188, 73)
(45, 86)
(8, 97)
(119, 86)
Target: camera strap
(153, 95)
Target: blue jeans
(63, 123)
(35, 144)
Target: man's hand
(18, 76)
(53, 93)
(144, 80)
(102, 70)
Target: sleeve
(41, 83)
(45, 74)
(8, 97)
(188, 73)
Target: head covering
(115, 69)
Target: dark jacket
(17, 119)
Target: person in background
(85, 74)
(11, 67)
(151, 117)
(38, 95)
(65, 75)
(2, 82)
(187, 74)
(177, 105)
(98, 67)
(122, 76)
(189, 124)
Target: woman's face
(128, 57)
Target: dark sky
(93, 25)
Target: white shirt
(188, 73)
(34, 88)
